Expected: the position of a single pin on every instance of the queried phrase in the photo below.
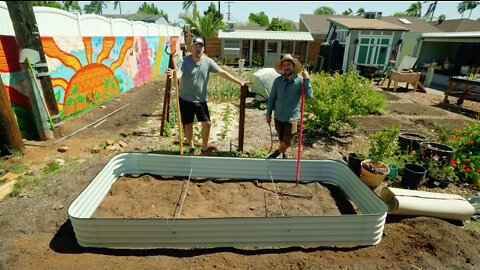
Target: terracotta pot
(372, 179)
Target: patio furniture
(404, 76)
(468, 90)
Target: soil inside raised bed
(148, 196)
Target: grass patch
(19, 168)
(473, 225)
(51, 167)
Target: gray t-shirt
(194, 80)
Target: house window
(272, 47)
(231, 44)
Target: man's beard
(288, 72)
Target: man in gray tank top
(193, 72)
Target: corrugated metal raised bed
(344, 230)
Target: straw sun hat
(297, 68)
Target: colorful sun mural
(85, 71)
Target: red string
(300, 138)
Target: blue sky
(292, 9)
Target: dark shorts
(286, 131)
(190, 109)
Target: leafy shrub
(466, 142)
(383, 144)
(337, 98)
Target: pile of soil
(132, 197)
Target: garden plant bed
(292, 225)
(147, 196)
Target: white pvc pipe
(423, 203)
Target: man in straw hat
(285, 98)
(193, 71)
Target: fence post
(111, 27)
(79, 24)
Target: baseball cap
(197, 41)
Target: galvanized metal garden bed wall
(361, 229)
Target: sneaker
(208, 152)
(190, 152)
(284, 155)
(274, 154)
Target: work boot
(274, 154)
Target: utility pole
(228, 14)
(27, 36)
(10, 136)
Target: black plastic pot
(440, 153)
(413, 175)
(410, 141)
(354, 163)
(435, 182)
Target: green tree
(117, 4)
(360, 12)
(148, 9)
(212, 9)
(72, 6)
(401, 14)
(259, 18)
(431, 10)
(95, 7)
(442, 17)
(69, 6)
(324, 10)
(462, 7)
(415, 9)
(53, 4)
(469, 5)
(348, 12)
(204, 26)
(187, 4)
(280, 24)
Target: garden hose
(271, 138)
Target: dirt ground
(37, 234)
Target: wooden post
(9, 132)
(166, 99)
(241, 123)
(27, 36)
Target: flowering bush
(467, 154)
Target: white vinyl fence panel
(57, 22)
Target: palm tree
(431, 9)
(119, 4)
(415, 9)
(95, 7)
(348, 12)
(360, 12)
(187, 4)
(462, 7)
(471, 5)
(204, 26)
